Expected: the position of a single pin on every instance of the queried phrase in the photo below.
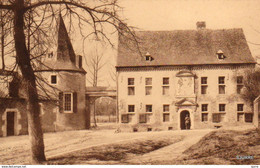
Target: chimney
(201, 25)
(79, 61)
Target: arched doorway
(183, 114)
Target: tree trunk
(33, 110)
(2, 40)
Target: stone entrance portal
(93, 93)
(183, 114)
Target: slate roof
(185, 47)
(66, 57)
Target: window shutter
(142, 118)
(61, 102)
(75, 102)
(124, 118)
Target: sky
(183, 14)
(176, 15)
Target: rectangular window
(166, 81)
(204, 107)
(166, 108)
(221, 89)
(131, 87)
(248, 117)
(68, 102)
(204, 116)
(204, 85)
(240, 117)
(131, 81)
(124, 118)
(221, 80)
(221, 85)
(165, 90)
(148, 86)
(166, 117)
(239, 84)
(53, 79)
(149, 108)
(165, 87)
(204, 80)
(148, 81)
(148, 90)
(222, 107)
(166, 113)
(131, 90)
(239, 79)
(142, 118)
(218, 117)
(240, 107)
(204, 89)
(131, 108)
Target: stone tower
(65, 82)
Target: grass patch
(223, 147)
(114, 152)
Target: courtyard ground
(15, 149)
(104, 146)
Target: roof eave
(137, 66)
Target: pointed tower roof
(65, 50)
(66, 57)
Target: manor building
(173, 74)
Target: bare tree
(5, 32)
(95, 62)
(112, 73)
(34, 18)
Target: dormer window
(148, 57)
(50, 54)
(220, 55)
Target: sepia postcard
(129, 82)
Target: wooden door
(10, 123)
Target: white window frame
(239, 84)
(130, 86)
(241, 112)
(222, 85)
(146, 108)
(205, 112)
(64, 110)
(131, 112)
(148, 86)
(165, 86)
(203, 85)
(166, 112)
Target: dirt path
(171, 152)
(15, 150)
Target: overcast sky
(183, 14)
